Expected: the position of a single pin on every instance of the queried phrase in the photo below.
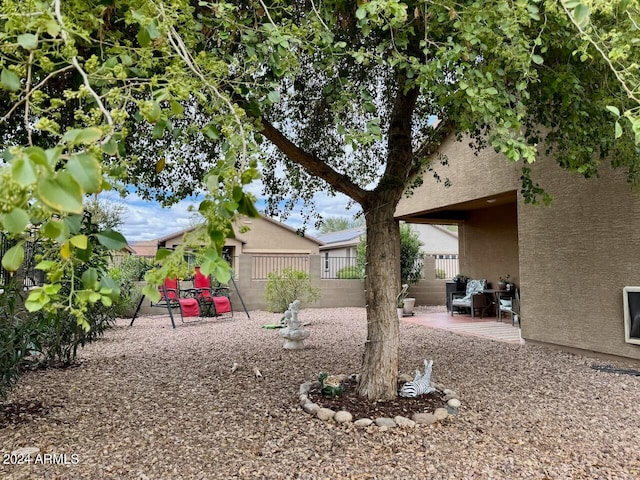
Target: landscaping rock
(311, 408)
(325, 414)
(363, 422)
(440, 413)
(385, 422)
(454, 403)
(343, 417)
(424, 418)
(404, 422)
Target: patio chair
(213, 300)
(510, 306)
(170, 298)
(472, 299)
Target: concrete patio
(487, 327)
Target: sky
(144, 220)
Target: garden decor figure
(293, 335)
(421, 384)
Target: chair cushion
(223, 305)
(505, 303)
(189, 307)
(473, 287)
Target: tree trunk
(378, 379)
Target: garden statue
(421, 384)
(293, 335)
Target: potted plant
(503, 282)
(461, 282)
(400, 299)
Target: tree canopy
(176, 97)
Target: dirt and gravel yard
(151, 402)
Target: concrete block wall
(334, 293)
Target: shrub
(287, 286)
(16, 335)
(350, 272)
(58, 333)
(130, 271)
(440, 274)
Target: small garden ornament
(421, 384)
(294, 335)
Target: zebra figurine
(420, 384)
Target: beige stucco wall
(489, 244)
(472, 176)
(574, 256)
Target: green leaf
(151, 292)
(53, 155)
(90, 278)
(73, 223)
(45, 265)
(15, 221)
(212, 131)
(37, 155)
(144, 39)
(581, 14)
(613, 110)
(24, 172)
(13, 258)
(110, 148)
(537, 59)
(176, 108)
(83, 136)
(53, 28)
(36, 300)
(9, 80)
(162, 253)
(85, 169)
(79, 241)
(361, 12)
(62, 193)
(112, 240)
(56, 230)
(28, 41)
(618, 131)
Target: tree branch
(313, 164)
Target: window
(631, 304)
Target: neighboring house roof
(436, 239)
(342, 238)
(150, 247)
(145, 248)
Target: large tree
(351, 97)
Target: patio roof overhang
(456, 213)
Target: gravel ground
(151, 402)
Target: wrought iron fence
(31, 275)
(340, 268)
(263, 265)
(447, 266)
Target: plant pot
(502, 285)
(409, 303)
(400, 312)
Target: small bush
(440, 274)
(282, 289)
(130, 271)
(350, 272)
(16, 335)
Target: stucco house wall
(571, 259)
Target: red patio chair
(214, 301)
(170, 298)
